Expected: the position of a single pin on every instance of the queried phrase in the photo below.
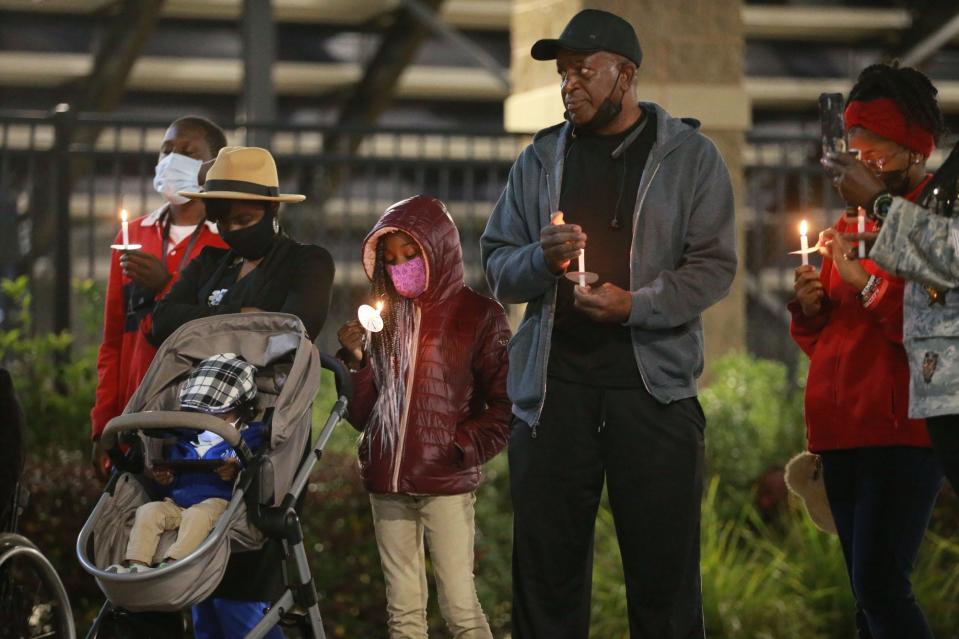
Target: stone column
(692, 66)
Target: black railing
(63, 177)
(60, 196)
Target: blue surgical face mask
(176, 173)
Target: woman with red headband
(880, 474)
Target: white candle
(582, 267)
(804, 243)
(862, 229)
(123, 224)
(371, 319)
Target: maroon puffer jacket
(459, 413)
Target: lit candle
(862, 229)
(371, 319)
(582, 267)
(123, 224)
(804, 243)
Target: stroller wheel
(296, 625)
(117, 623)
(33, 601)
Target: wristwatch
(879, 206)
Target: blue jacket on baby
(189, 488)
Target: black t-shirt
(598, 192)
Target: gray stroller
(255, 551)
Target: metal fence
(63, 177)
(784, 184)
(59, 201)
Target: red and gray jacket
(457, 415)
(125, 353)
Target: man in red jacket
(169, 237)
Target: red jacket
(459, 414)
(125, 354)
(857, 392)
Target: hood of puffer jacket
(427, 221)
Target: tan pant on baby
(152, 519)
(446, 522)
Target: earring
(276, 225)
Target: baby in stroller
(251, 572)
(199, 468)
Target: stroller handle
(344, 383)
(167, 419)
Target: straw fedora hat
(243, 173)
(804, 479)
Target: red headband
(884, 118)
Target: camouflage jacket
(922, 246)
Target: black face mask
(252, 242)
(896, 181)
(606, 112)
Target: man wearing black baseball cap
(603, 376)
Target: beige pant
(152, 519)
(447, 521)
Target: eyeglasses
(876, 164)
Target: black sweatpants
(651, 457)
(944, 433)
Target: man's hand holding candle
(144, 269)
(605, 303)
(561, 243)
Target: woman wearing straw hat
(263, 269)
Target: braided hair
(916, 96)
(390, 353)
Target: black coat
(293, 278)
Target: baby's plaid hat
(218, 385)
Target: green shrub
(818, 556)
(751, 587)
(754, 421)
(936, 584)
(55, 375)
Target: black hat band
(241, 186)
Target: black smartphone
(831, 107)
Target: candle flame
(803, 227)
(123, 215)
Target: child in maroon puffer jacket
(430, 398)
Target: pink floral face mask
(409, 278)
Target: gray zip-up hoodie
(682, 258)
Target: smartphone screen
(831, 106)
